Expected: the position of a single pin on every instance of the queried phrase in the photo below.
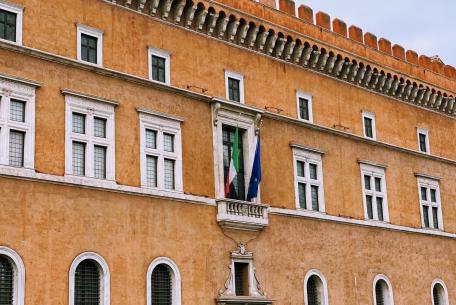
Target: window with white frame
(383, 291)
(90, 45)
(90, 143)
(12, 277)
(374, 192)
(308, 174)
(161, 150)
(234, 84)
(439, 293)
(369, 125)
(423, 140)
(304, 103)
(17, 124)
(159, 66)
(11, 22)
(431, 210)
(163, 283)
(315, 289)
(89, 282)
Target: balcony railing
(242, 215)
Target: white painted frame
(381, 277)
(369, 115)
(308, 97)
(234, 118)
(309, 157)
(429, 183)
(175, 278)
(165, 55)
(374, 172)
(19, 274)
(161, 124)
(105, 280)
(324, 288)
(445, 290)
(19, 91)
(19, 11)
(425, 132)
(83, 29)
(240, 78)
(90, 108)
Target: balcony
(242, 215)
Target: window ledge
(89, 181)
(241, 300)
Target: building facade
(118, 120)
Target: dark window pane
(241, 279)
(87, 283)
(99, 126)
(379, 295)
(314, 194)
(99, 159)
(168, 142)
(78, 122)
(304, 108)
(368, 127)
(158, 68)
(6, 281)
(380, 208)
(302, 195)
(423, 194)
(162, 290)
(423, 146)
(435, 217)
(151, 171)
(370, 214)
(169, 182)
(89, 48)
(426, 216)
(78, 158)
(300, 168)
(17, 111)
(16, 148)
(151, 139)
(237, 191)
(8, 25)
(433, 196)
(313, 171)
(378, 184)
(234, 93)
(367, 182)
(313, 297)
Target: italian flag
(234, 164)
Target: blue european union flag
(255, 177)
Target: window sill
(311, 211)
(159, 82)
(90, 63)
(243, 300)
(17, 171)
(90, 181)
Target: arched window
(383, 293)
(89, 280)
(12, 277)
(163, 283)
(315, 289)
(439, 293)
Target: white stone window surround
(425, 132)
(9, 90)
(175, 279)
(389, 292)
(84, 29)
(430, 183)
(161, 123)
(90, 107)
(445, 291)
(308, 97)
(18, 10)
(234, 117)
(308, 156)
(240, 78)
(19, 274)
(163, 54)
(324, 289)
(369, 115)
(105, 293)
(376, 171)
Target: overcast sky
(425, 26)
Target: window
(159, 66)
(369, 125)
(11, 22)
(374, 192)
(90, 44)
(308, 175)
(315, 289)
(383, 294)
(234, 84)
(237, 187)
(89, 137)
(431, 211)
(11, 277)
(161, 151)
(439, 293)
(17, 124)
(423, 140)
(241, 278)
(89, 280)
(163, 283)
(304, 102)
